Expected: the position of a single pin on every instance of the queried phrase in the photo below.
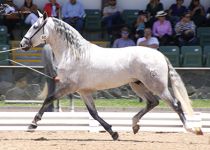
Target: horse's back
(140, 54)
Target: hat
(161, 13)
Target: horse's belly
(103, 82)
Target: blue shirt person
(73, 13)
(124, 41)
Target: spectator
(185, 30)
(73, 13)
(50, 70)
(52, 9)
(12, 19)
(124, 41)
(140, 24)
(152, 8)
(197, 13)
(111, 17)
(162, 29)
(148, 40)
(176, 11)
(31, 9)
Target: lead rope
(30, 68)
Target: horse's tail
(179, 89)
(44, 92)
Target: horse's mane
(75, 42)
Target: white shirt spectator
(148, 42)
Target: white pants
(31, 19)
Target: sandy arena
(68, 140)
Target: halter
(42, 26)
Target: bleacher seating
(202, 30)
(93, 20)
(191, 56)
(129, 16)
(92, 29)
(173, 54)
(5, 55)
(3, 35)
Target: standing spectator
(111, 17)
(152, 8)
(185, 30)
(31, 9)
(52, 9)
(176, 11)
(73, 13)
(140, 24)
(124, 41)
(162, 29)
(12, 19)
(50, 70)
(197, 13)
(148, 40)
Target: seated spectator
(152, 8)
(30, 8)
(140, 24)
(176, 11)
(112, 17)
(12, 19)
(52, 9)
(148, 40)
(124, 41)
(185, 30)
(197, 13)
(73, 13)
(162, 29)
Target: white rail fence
(82, 121)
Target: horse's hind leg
(175, 105)
(88, 99)
(65, 89)
(151, 102)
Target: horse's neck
(58, 47)
(61, 46)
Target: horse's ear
(45, 15)
(39, 13)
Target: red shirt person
(52, 8)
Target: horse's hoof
(198, 131)
(136, 129)
(115, 136)
(31, 127)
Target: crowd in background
(154, 26)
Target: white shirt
(151, 41)
(111, 9)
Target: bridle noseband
(42, 26)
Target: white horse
(84, 67)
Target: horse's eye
(36, 26)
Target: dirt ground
(68, 140)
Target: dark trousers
(111, 21)
(51, 90)
(75, 22)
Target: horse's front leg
(63, 90)
(89, 102)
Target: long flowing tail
(179, 89)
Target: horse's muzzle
(25, 45)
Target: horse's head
(37, 34)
